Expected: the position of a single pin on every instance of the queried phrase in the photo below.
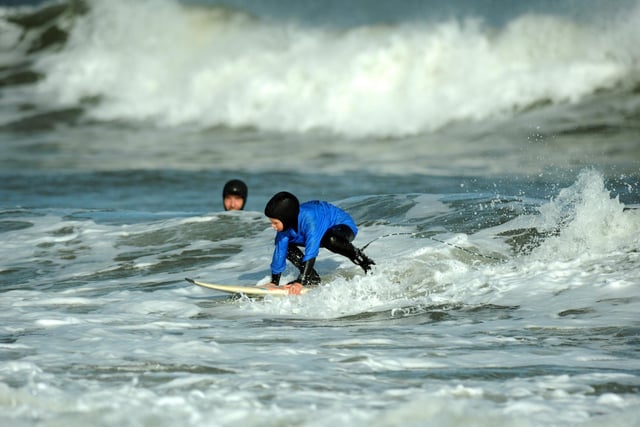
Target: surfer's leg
(294, 255)
(338, 240)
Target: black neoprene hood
(237, 188)
(285, 207)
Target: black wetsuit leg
(295, 255)
(338, 239)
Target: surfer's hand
(294, 288)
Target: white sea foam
(174, 65)
(587, 221)
(434, 335)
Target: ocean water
(488, 150)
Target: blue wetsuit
(314, 219)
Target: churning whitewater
(487, 150)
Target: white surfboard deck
(247, 290)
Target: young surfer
(234, 195)
(313, 224)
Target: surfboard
(247, 290)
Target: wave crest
(173, 65)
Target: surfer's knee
(338, 239)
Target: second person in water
(234, 195)
(313, 225)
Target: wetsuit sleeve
(313, 238)
(275, 278)
(279, 259)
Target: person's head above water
(283, 207)
(234, 195)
